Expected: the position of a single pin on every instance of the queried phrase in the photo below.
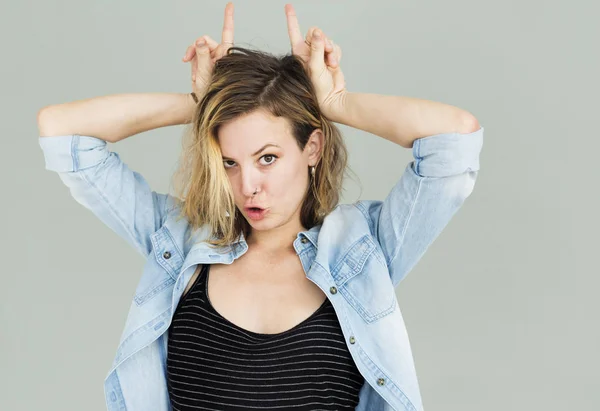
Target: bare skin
(247, 293)
(265, 290)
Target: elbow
(47, 120)
(469, 124)
(43, 118)
(50, 123)
(465, 124)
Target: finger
(328, 42)
(203, 62)
(292, 25)
(212, 44)
(309, 34)
(188, 53)
(338, 53)
(317, 51)
(227, 36)
(330, 56)
(333, 58)
(328, 46)
(220, 51)
(191, 50)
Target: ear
(314, 147)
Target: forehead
(254, 130)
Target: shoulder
(177, 230)
(352, 220)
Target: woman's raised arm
(115, 117)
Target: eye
(273, 156)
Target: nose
(250, 182)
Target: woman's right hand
(204, 52)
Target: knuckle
(200, 39)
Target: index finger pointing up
(293, 26)
(227, 36)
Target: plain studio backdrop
(502, 310)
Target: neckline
(255, 334)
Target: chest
(260, 297)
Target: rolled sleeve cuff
(74, 152)
(447, 154)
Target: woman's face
(260, 154)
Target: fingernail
(200, 42)
(317, 34)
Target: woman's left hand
(321, 58)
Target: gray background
(501, 310)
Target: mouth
(255, 213)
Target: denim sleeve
(100, 181)
(430, 191)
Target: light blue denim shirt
(360, 253)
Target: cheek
(288, 186)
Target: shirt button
(352, 340)
(304, 240)
(333, 290)
(380, 381)
(167, 255)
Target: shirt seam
(75, 154)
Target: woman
(260, 291)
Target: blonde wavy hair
(243, 81)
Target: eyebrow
(257, 152)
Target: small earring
(312, 171)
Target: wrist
(336, 109)
(190, 107)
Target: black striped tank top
(213, 364)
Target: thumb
(317, 51)
(203, 62)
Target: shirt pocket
(162, 267)
(363, 279)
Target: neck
(276, 241)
